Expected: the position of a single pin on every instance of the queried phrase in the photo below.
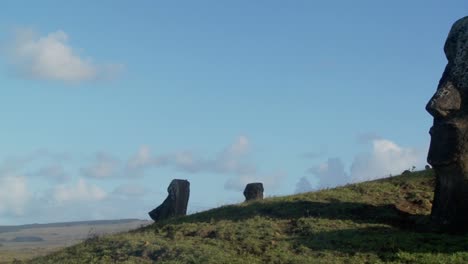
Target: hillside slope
(383, 221)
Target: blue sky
(104, 103)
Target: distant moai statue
(175, 203)
(253, 191)
(448, 151)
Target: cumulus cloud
(238, 148)
(330, 173)
(103, 166)
(14, 195)
(385, 158)
(54, 172)
(304, 185)
(80, 192)
(231, 160)
(80, 200)
(270, 181)
(52, 206)
(40, 163)
(130, 190)
(13, 164)
(51, 57)
(142, 158)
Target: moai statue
(175, 203)
(448, 151)
(253, 191)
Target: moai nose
(445, 101)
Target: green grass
(383, 221)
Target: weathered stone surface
(253, 191)
(175, 203)
(448, 152)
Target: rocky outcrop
(175, 203)
(448, 152)
(253, 191)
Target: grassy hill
(383, 221)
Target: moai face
(447, 131)
(448, 106)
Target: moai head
(175, 203)
(448, 152)
(449, 105)
(253, 191)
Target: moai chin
(448, 151)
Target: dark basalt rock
(448, 152)
(253, 191)
(175, 203)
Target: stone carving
(175, 203)
(253, 191)
(448, 151)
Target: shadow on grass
(382, 241)
(290, 210)
(404, 232)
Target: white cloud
(103, 166)
(14, 195)
(330, 173)
(141, 161)
(269, 181)
(386, 158)
(142, 158)
(13, 164)
(231, 160)
(34, 163)
(130, 190)
(51, 57)
(80, 192)
(239, 147)
(55, 172)
(50, 207)
(234, 158)
(186, 161)
(304, 185)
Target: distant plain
(41, 239)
